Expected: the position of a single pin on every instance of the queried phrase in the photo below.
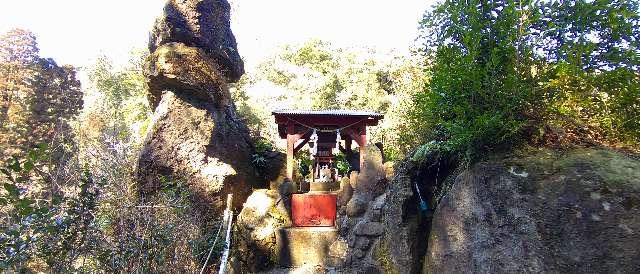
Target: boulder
(202, 24)
(540, 212)
(206, 147)
(368, 228)
(371, 178)
(401, 249)
(368, 269)
(356, 206)
(345, 192)
(362, 243)
(186, 70)
(255, 244)
(374, 212)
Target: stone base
(300, 246)
(324, 186)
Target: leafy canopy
(504, 72)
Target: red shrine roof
(329, 112)
(323, 120)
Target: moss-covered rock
(187, 70)
(196, 133)
(255, 231)
(206, 146)
(200, 24)
(540, 212)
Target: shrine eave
(327, 117)
(331, 112)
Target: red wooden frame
(296, 125)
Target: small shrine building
(314, 210)
(323, 132)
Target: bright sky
(75, 32)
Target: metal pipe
(228, 213)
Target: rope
(211, 250)
(438, 172)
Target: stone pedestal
(300, 246)
(324, 186)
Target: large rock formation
(196, 135)
(188, 71)
(202, 24)
(540, 212)
(547, 212)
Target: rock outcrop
(202, 24)
(539, 212)
(188, 71)
(371, 180)
(255, 231)
(196, 135)
(405, 225)
(544, 212)
(360, 220)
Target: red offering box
(313, 209)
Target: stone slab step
(307, 269)
(305, 246)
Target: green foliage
(157, 234)
(304, 162)
(120, 100)
(605, 103)
(263, 146)
(160, 234)
(259, 159)
(480, 86)
(591, 35)
(503, 69)
(38, 100)
(52, 227)
(592, 85)
(342, 164)
(74, 205)
(316, 75)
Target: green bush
(502, 71)
(51, 227)
(342, 164)
(607, 103)
(479, 93)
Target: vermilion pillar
(291, 141)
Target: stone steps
(307, 269)
(306, 246)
